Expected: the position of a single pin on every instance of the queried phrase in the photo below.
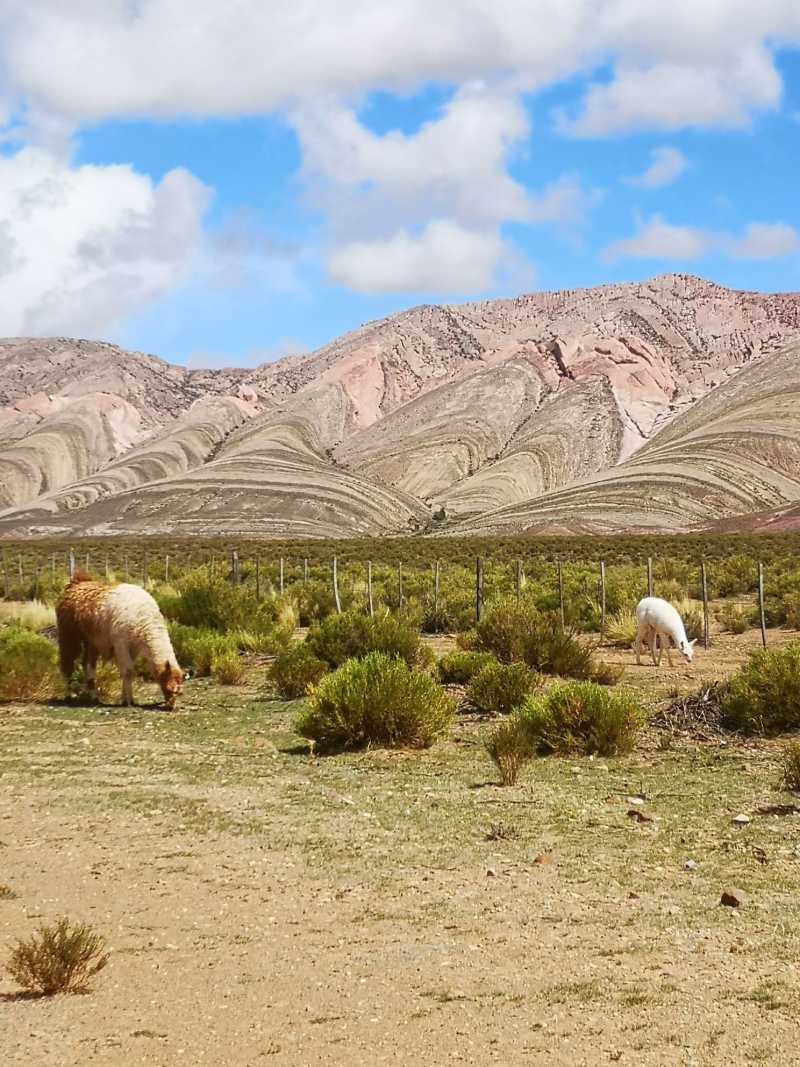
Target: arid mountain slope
(562, 408)
(735, 452)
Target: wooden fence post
(370, 605)
(305, 572)
(235, 566)
(52, 568)
(166, 569)
(518, 579)
(87, 568)
(281, 577)
(71, 564)
(108, 569)
(436, 577)
(478, 588)
(704, 587)
(649, 576)
(761, 612)
(335, 575)
(602, 600)
(561, 595)
(5, 577)
(258, 577)
(400, 584)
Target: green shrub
(790, 761)
(605, 673)
(196, 648)
(733, 618)
(582, 717)
(28, 666)
(459, 667)
(501, 687)
(503, 627)
(379, 701)
(341, 637)
(763, 697)
(294, 670)
(691, 614)
(510, 747)
(58, 959)
(227, 667)
(514, 631)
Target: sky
(224, 184)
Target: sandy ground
(265, 906)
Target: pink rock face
(564, 410)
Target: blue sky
(260, 194)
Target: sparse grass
(605, 673)
(7, 893)
(29, 614)
(376, 700)
(621, 629)
(62, 958)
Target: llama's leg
(669, 652)
(655, 648)
(90, 669)
(637, 646)
(125, 666)
(69, 647)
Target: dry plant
(30, 614)
(510, 747)
(791, 767)
(58, 959)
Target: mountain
(666, 405)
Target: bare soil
(266, 906)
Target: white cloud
(382, 191)
(682, 63)
(445, 257)
(657, 239)
(82, 247)
(667, 164)
(765, 240)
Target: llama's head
(687, 650)
(170, 678)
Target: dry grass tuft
(791, 767)
(58, 959)
(510, 747)
(29, 614)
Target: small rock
(633, 896)
(635, 800)
(545, 859)
(639, 816)
(741, 820)
(491, 872)
(690, 865)
(732, 898)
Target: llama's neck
(159, 650)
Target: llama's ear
(693, 643)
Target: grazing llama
(115, 622)
(659, 623)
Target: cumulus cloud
(666, 165)
(445, 257)
(683, 63)
(765, 240)
(82, 247)
(657, 239)
(405, 195)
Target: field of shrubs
(412, 769)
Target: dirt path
(267, 907)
